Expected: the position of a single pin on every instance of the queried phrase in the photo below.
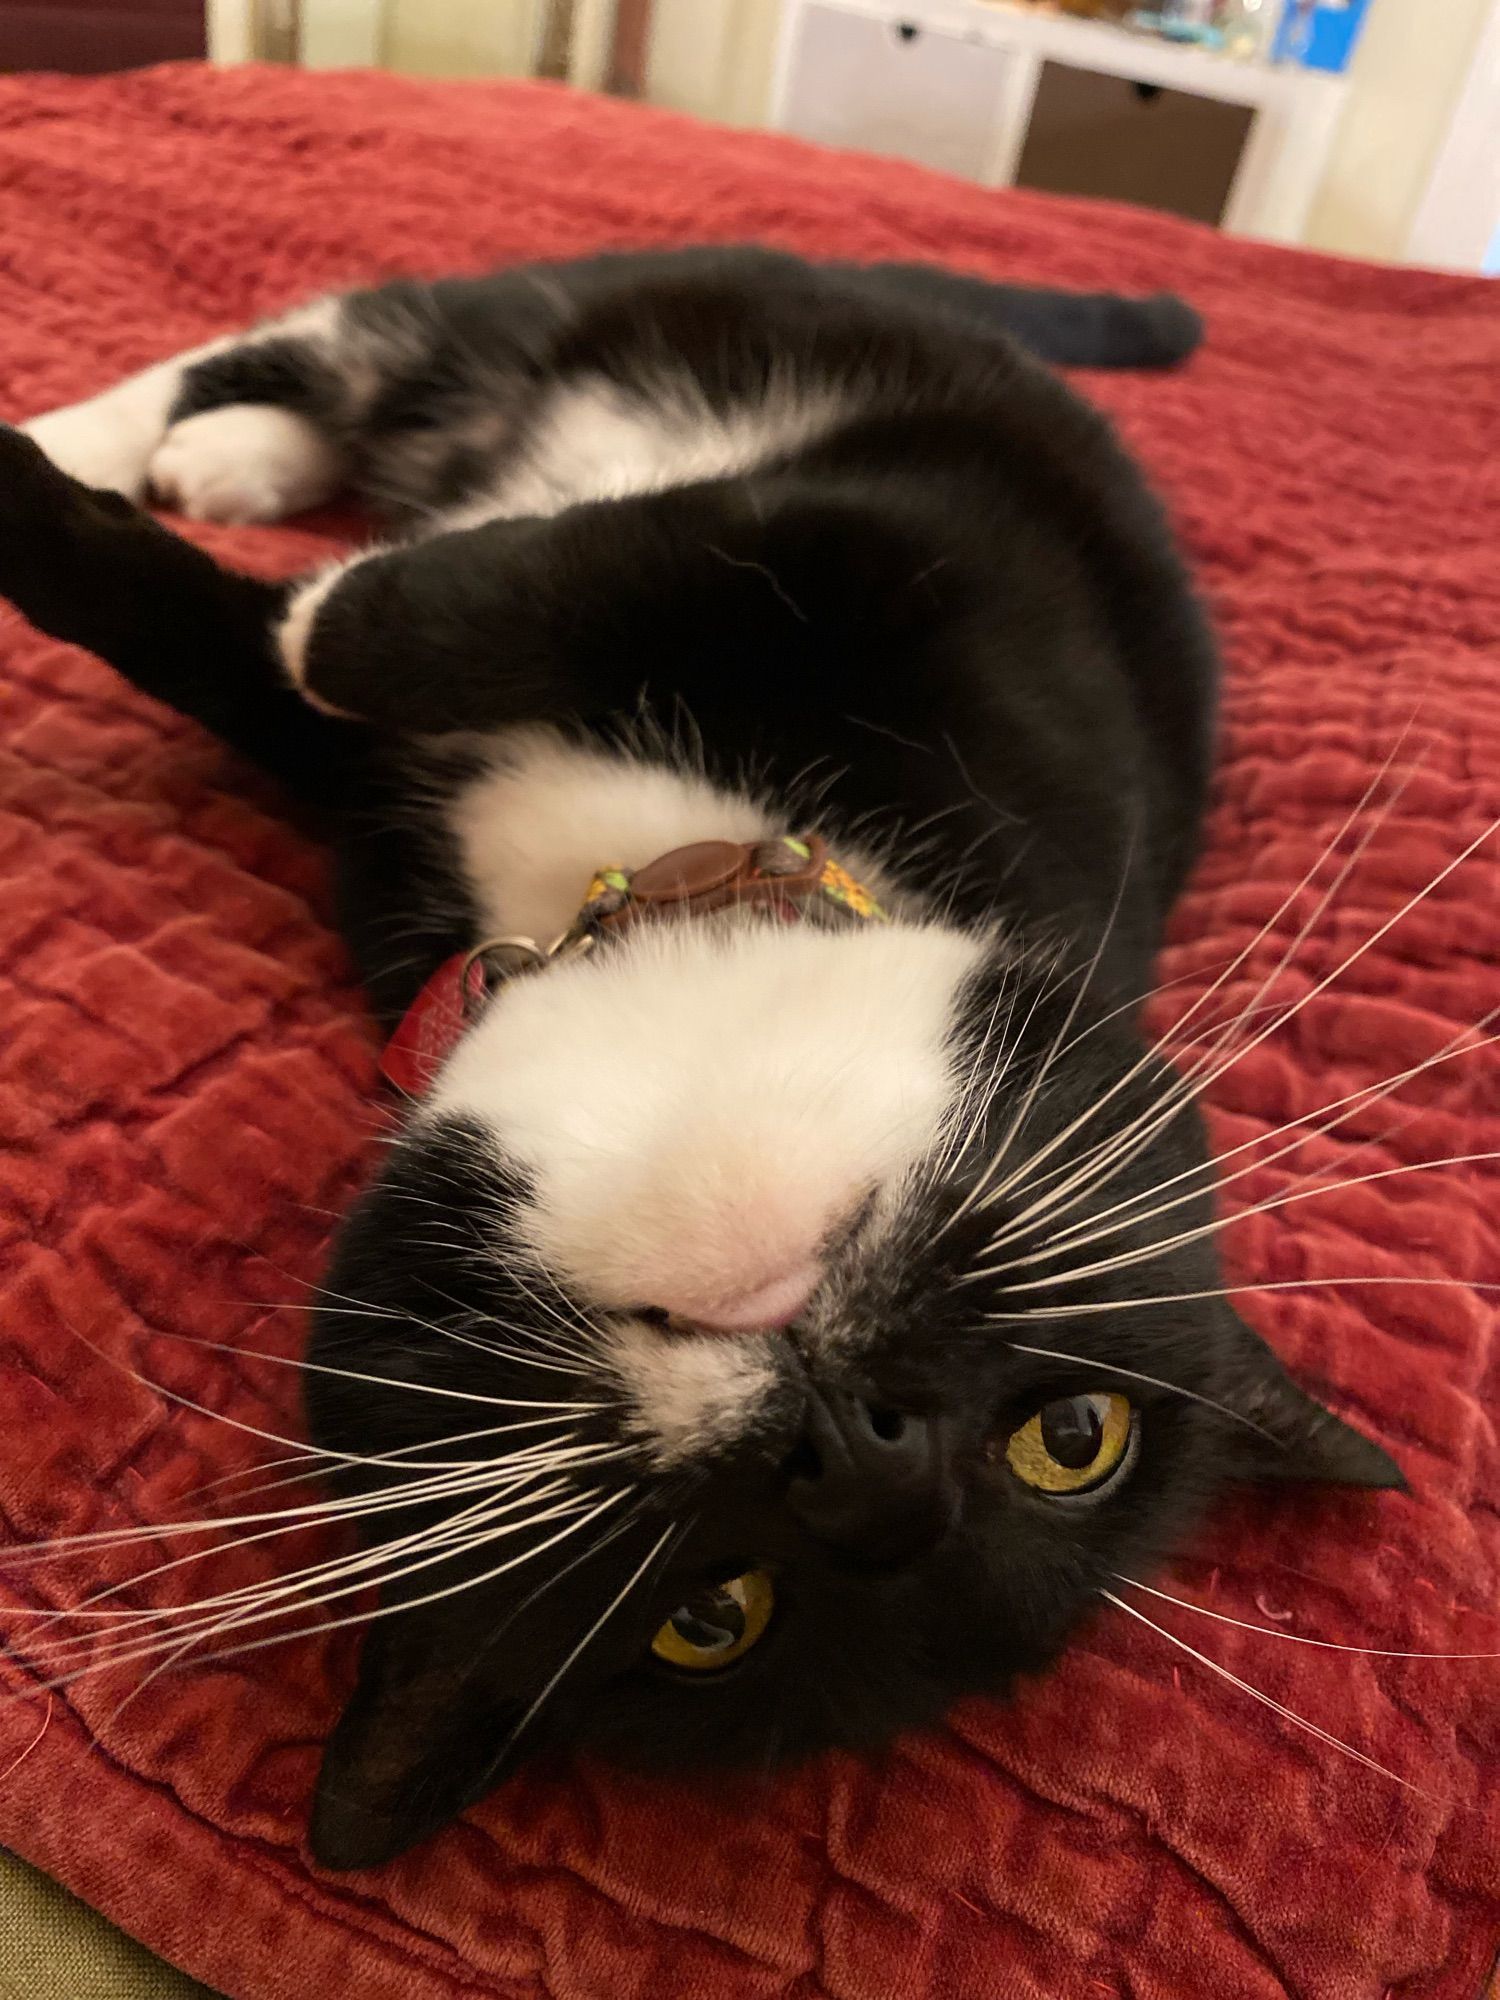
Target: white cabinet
(897, 87)
(952, 83)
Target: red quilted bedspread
(188, 1089)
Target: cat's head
(755, 1343)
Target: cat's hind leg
(108, 441)
(244, 462)
(242, 429)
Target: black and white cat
(704, 1367)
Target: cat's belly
(594, 439)
(544, 815)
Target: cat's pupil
(711, 1622)
(1073, 1430)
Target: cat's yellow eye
(718, 1625)
(1075, 1445)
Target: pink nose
(762, 1310)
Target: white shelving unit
(952, 83)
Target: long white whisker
(1201, 1080)
(478, 1532)
(1295, 1638)
(217, 1416)
(1107, 1367)
(303, 1306)
(305, 1461)
(569, 1323)
(523, 1604)
(1088, 1306)
(1157, 1052)
(380, 1611)
(543, 1362)
(1354, 1101)
(447, 1477)
(556, 1356)
(965, 1116)
(977, 1193)
(285, 1521)
(1259, 1694)
(1150, 1250)
(1006, 1059)
(272, 1595)
(473, 1527)
(501, 1480)
(1361, 1098)
(378, 1381)
(472, 1314)
(573, 1352)
(603, 1619)
(409, 1458)
(346, 1302)
(1076, 1177)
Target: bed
(188, 1090)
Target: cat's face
(717, 1389)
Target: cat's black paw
(38, 522)
(29, 482)
(67, 548)
(37, 497)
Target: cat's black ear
(425, 1735)
(1286, 1434)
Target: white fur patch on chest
(702, 1106)
(536, 825)
(597, 441)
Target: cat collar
(787, 877)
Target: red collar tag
(433, 1023)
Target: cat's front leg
(477, 629)
(88, 567)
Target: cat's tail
(1099, 329)
(1068, 329)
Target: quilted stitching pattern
(186, 1082)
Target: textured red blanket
(187, 1084)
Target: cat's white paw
(294, 633)
(245, 462)
(105, 442)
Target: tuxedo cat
(759, 765)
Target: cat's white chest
(535, 826)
